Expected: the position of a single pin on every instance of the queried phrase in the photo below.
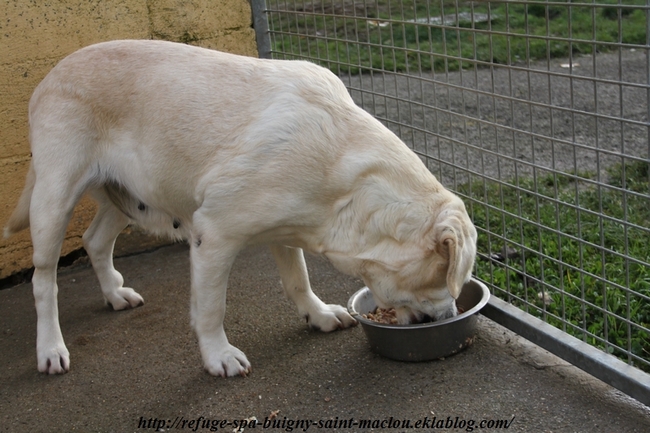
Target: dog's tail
(19, 219)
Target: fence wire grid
(537, 114)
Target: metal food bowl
(424, 341)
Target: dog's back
(138, 111)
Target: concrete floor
(138, 369)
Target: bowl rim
(485, 297)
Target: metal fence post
(261, 26)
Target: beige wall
(34, 36)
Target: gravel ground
(504, 122)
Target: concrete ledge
(599, 364)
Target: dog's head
(425, 275)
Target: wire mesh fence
(537, 114)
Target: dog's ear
(456, 241)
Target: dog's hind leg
(293, 272)
(99, 241)
(53, 199)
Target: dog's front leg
(295, 279)
(212, 258)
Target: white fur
(233, 151)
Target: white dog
(229, 151)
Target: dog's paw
(329, 318)
(55, 360)
(124, 298)
(226, 362)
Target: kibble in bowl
(420, 341)
(382, 315)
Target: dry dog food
(382, 315)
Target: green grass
(518, 33)
(568, 251)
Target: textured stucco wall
(35, 35)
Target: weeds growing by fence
(568, 261)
